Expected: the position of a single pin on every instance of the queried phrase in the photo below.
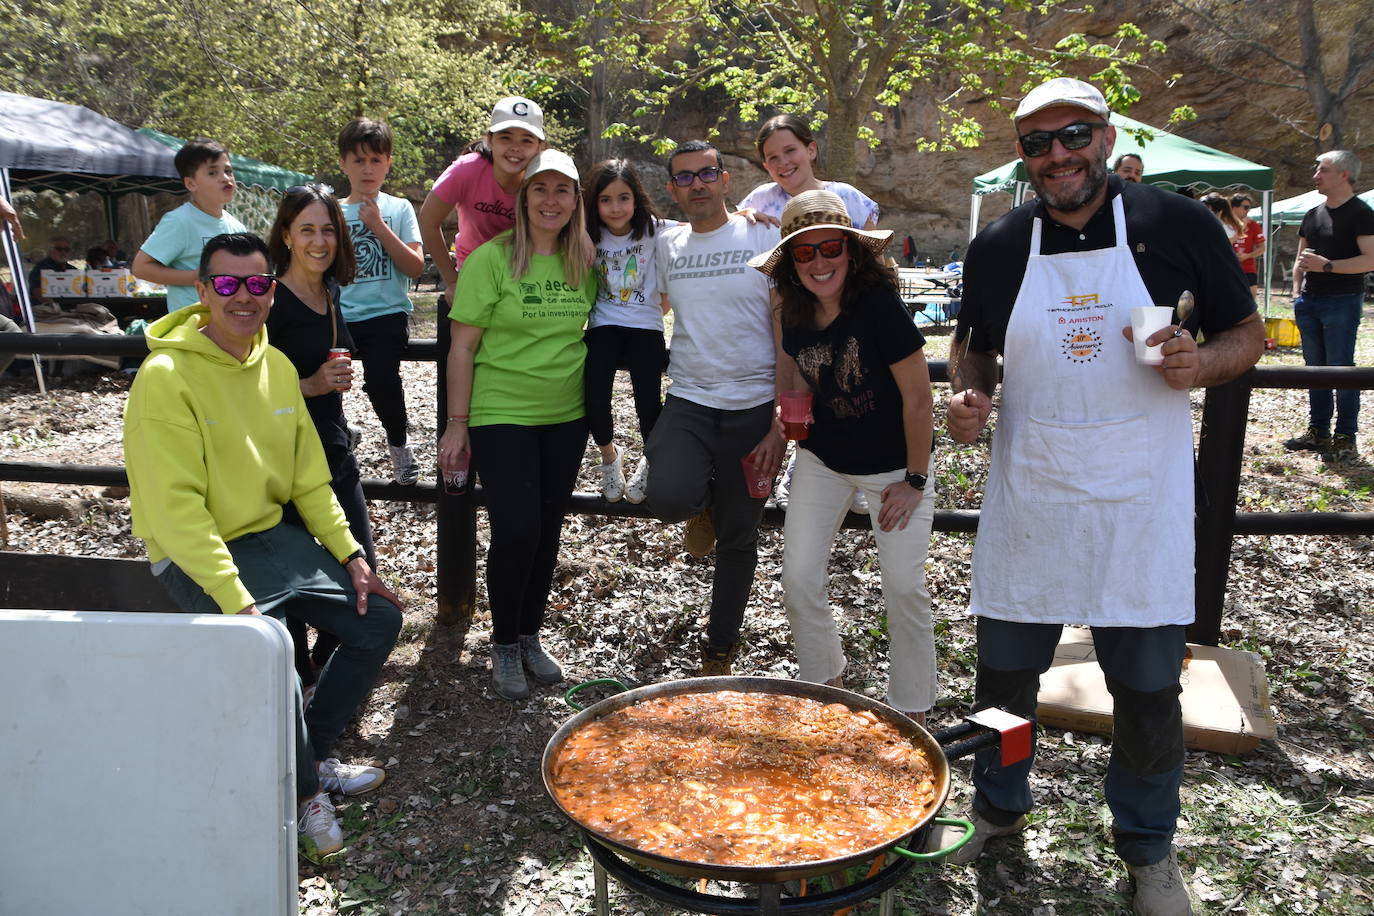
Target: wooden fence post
(455, 542)
(1221, 447)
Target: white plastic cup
(1145, 320)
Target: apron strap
(1119, 219)
(1035, 238)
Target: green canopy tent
(1291, 210)
(247, 170)
(1170, 161)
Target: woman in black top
(848, 339)
(310, 248)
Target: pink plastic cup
(456, 481)
(759, 485)
(796, 414)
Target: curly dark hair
(866, 272)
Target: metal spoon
(1183, 310)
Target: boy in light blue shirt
(376, 305)
(171, 255)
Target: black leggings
(527, 474)
(611, 347)
(378, 343)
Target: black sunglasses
(228, 284)
(805, 252)
(708, 175)
(1072, 136)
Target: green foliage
(841, 62)
(273, 80)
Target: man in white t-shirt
(720, 406)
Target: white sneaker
(355, 435)
(318, 827)
(638, 488)
(859, 503)
(404, 468)
(613, 478)
(349, 778)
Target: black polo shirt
(1177, 244)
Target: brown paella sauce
(731, 778)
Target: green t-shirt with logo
(528, 367)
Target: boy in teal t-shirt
(171, 254)
(386, 245)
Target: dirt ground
(463, 825)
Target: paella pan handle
(598, 682)
(985, 729)
(948, 850)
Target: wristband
(355, 555)
(457, 416)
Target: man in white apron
(1088, 514)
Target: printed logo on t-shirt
(373, 261)
(494, 206)
(709, 264)
(621, 275)
(551, 299)
(847, 371)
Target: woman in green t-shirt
(515, 403)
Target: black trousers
(642, 352)
(527, 473)
(378, 343)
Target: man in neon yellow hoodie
(217, 440)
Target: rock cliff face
(926, 194)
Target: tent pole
(21, 279)
(111, 216)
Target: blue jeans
(1146, 766)
(1328, 325)
(286, 572)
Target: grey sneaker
(638, 488)
(613, 478)
(355, 435)
(983, 830)
(404, 467)
(507, 675)
(539, 663)
(1310, 441)
(1159, 888)
(1341, 448)
(349, 778)
(317, 826)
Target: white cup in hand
(1145, 320)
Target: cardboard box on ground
(1225, 695)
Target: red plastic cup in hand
(758, 484)
(456, 481)
(341, 353)
(796, 414)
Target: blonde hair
(573, 244)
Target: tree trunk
(841, 139)
(596, 97)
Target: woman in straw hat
(850, 342)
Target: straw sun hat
(817, 210)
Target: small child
(626, 323)
(171, 255)
(386, 245)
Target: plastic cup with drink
(1145, 320)
(341, 353)
(758, 483)
(795, 407)
(456, 480)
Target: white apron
(1088, 514)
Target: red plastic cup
(456, 481)
(759, 485)
(796, 414)
(341, 353)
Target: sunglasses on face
(227, 284)
(805, 252)
(1071, 136)
(708, 175)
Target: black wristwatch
(916, 480)
(355, 555)
(1327, 268)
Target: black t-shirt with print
(305, 337)
(857, 405)
(1334, 234)
(1176, 242)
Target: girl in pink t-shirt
(481, 185)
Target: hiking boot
(983, 830)
(715, 661)
(1309, 441)
(699, 536)
(613, 478)
(355, 435)
(638, 487)
(404, 468)
(349, 778)
(317, 826)
(507, 674)
(539, 663)
(1159, 888)
(1341, 448)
